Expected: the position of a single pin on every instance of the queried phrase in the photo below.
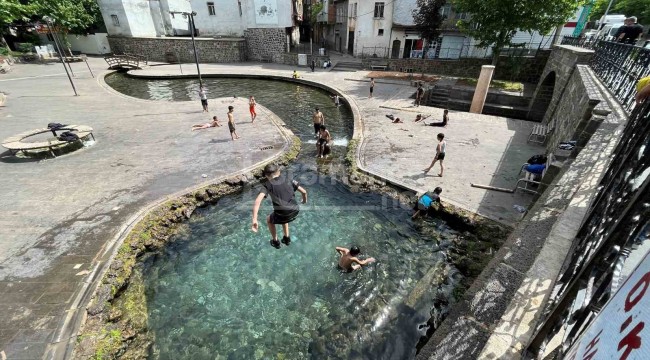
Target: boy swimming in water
(285, 208)
(349, 261)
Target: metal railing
(618, 221)
(619, 66)
(449, 52)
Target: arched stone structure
(542, 99)
(562, 62)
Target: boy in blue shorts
(425, 201)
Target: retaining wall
(524, 69)
(173, 49)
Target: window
(379, 10)
(353, 10)
(240, 12)
(380, 32)
(116, 21)
(462, 16)
(211, 9)
(445, 11)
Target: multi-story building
(214, 18)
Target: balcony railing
(619, 66)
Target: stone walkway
(481, 149)
(58, 215)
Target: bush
(25, 47)
(4, 51)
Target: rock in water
(274, 286)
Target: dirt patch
(396, 75)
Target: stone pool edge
(481, 235)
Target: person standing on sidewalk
(313, 65)
(441, 149)
(204, 98)
(251, 108)
(231, 123)
(419, 94)
(372, 86)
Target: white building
(227, 18)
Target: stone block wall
(579, 112)
(562, 62)
(266, 44)
(173, 49)
(524, 69)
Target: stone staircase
(347, 66)
(437, 96)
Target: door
(351, 42)
(408, 43)
(395, 51)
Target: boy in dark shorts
(425, 201)
(231, 124)
(285, 208)
(349, 261)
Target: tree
(428, 20)
(74, 16)
(638, 8)
(495, 22)
(10, 11)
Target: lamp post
(191, 15)
(58, 50)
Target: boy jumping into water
(349, 261)
(285, 208)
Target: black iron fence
(459, 51)
(617, 223)
(619, 66)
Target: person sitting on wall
(295, 74)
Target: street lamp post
(191, 15)
(58, 50)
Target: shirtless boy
(323, 143)
(231, 123)
(285, 208)
(349, 261)
(318, 120)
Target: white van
(608, 32)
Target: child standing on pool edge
(285, 208)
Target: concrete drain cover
(266, 148)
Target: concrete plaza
(59, 216)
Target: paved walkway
(481, 149)
(57, 215)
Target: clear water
(221, 291)
(293, 103)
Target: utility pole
(58, 50)
(191, 15)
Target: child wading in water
(285, 208)
(349, 261)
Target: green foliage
(12, 10)
(428, 19)
(74, 16)
(316, 8)
(495, 22)
(638, 8)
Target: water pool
(293, 103)
(220, 291)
